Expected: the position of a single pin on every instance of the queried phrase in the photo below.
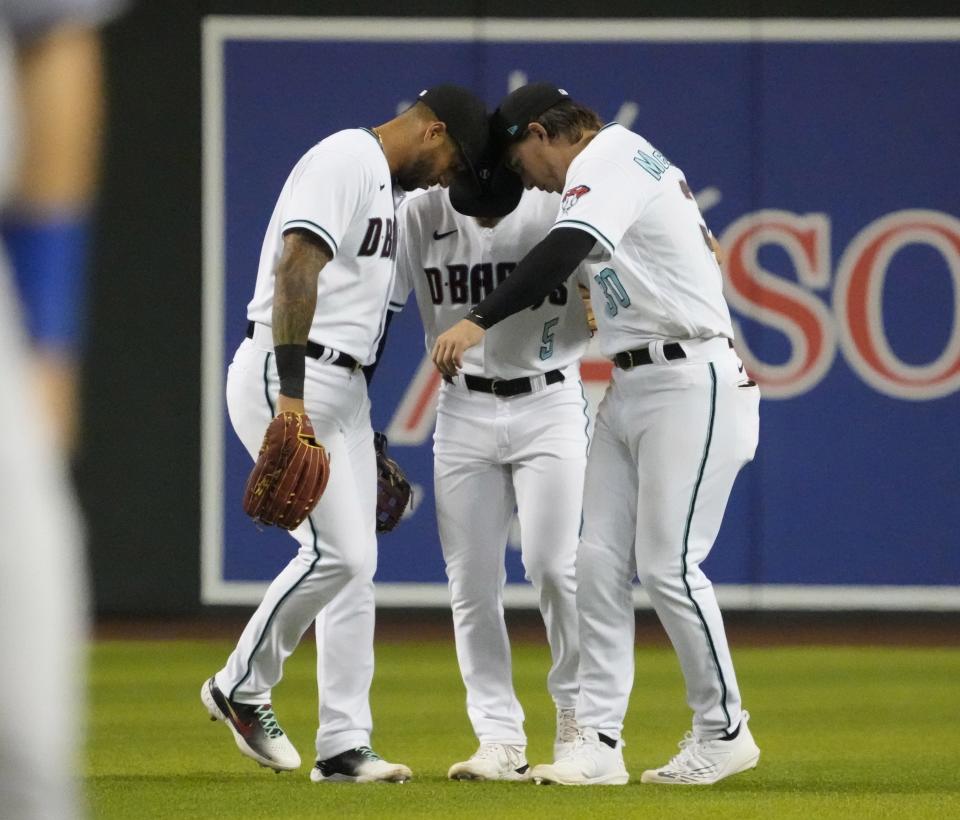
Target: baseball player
(511, 430)
(325, 274)
(678, 421)
(49, 145)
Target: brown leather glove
(290, 475)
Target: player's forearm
(548, 264)
(294, 303)
(60, 84)
(46, 224)
(295, 288)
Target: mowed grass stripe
(845, 732)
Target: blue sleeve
(49, 259)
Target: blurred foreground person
(50, 114)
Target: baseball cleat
(493, 761)
(254, 728)
(360, 765)
(591, 762)
(702, 762)
(566, 737)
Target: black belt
(635, 358)
(506, 387)
(315, 351)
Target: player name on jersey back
(653, 273)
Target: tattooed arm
(294, 302)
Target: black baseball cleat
(254, 727)
(360, 765)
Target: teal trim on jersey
(586, 435)
(686, 536)
(314, 228)
(586, 421)
(593, 231)
(608, 125)
(316, 558)
(374, 137)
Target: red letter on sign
(780, 303)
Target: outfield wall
(824, 155)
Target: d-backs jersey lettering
(653, 274)
(452, 263)
(341, 191)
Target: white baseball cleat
(360, 765)
(493, 761)
(566, 737)
(254, 727)
(591, 762)
(702, 762)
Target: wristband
(49, 259)
(291, 367)
(477, 319)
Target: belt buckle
(493, 385)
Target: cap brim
(497, 198)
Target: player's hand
(287, 405)
(588, 308)
(449, 348)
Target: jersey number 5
(617, 296)
(546, 349)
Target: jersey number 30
(617, 296)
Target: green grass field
(845, 732)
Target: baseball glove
(393, 489)
(588, 307)
(290, 475)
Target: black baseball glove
(393, 489)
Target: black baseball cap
(521, 107)
(495, 191)
(465, 116)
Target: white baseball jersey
(341, 191)
(547, 337)
(653, 273)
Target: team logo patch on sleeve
(571, 197)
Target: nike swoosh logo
(383, 186)
(243, 728)
(444, 235)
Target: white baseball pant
(331, 576)
(490, 455)
(669, 440)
